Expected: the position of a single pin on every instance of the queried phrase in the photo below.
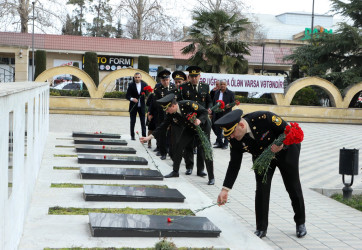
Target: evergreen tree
(144, 63)
(91, 66)
(335, 57)
(79, 13)
(102, 21)
(40, 62)
(215, 42)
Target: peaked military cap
(164, 74)
(166, 101)
(229, 121)
(194, 70)
(177, 75)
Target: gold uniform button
(257, 132)
(261, 147)
(252, 120)
(268, 139)
(254, 127)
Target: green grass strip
(66, 168)
(65, 155)
(355, 201)
(80, 185)
(146, 211)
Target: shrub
(144, 63)
(243, 99)
(165, 245)
(41, 62)
(307, 97)
(91, 66)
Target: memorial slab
(111, 159)
(104, 149)
(138, 225)
(99, 141)
(96, 135)
(133, 194)
(109, 173)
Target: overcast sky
(261, 7)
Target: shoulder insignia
(187, 103)
(277, 120)
(195, 106)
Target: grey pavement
(330, 224)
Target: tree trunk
(23, 11)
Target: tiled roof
(126, 46)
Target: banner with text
(246, 83)
(111, 63)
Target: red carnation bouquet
(148, 89)
(205, 143)
(293, 134)
(219, 106)
(236, 103)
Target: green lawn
(355, 201)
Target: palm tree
(214, 42)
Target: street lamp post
(311, 30)
(32, 44)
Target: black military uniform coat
(158, 114)
(186, 130)
(200, 95)
(265, 127)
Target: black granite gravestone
(96, 135)
(138, 225)
(104, 149)
(137, 194)
(111, 173)
(98, 141)
(112, 159)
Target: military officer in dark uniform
(179, 78)
(177, 113)
(157, 112)
(199, 92)
(252, 134)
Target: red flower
(169, 220)
(222, 104)
(100, 139)
(293, 134)
(100, 132)
(237, 102)
(104, 147)
(136, 132)
(148, 89)
(104, 157)
(142, 93)
(180, 88)
(96, 132)
(191, 117)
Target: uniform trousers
(186, 141)
(287, 160)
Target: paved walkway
(330, 224)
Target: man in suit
(136, 96)
(216, 88)
(253, 134)
(177, 113)
(227, 97)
